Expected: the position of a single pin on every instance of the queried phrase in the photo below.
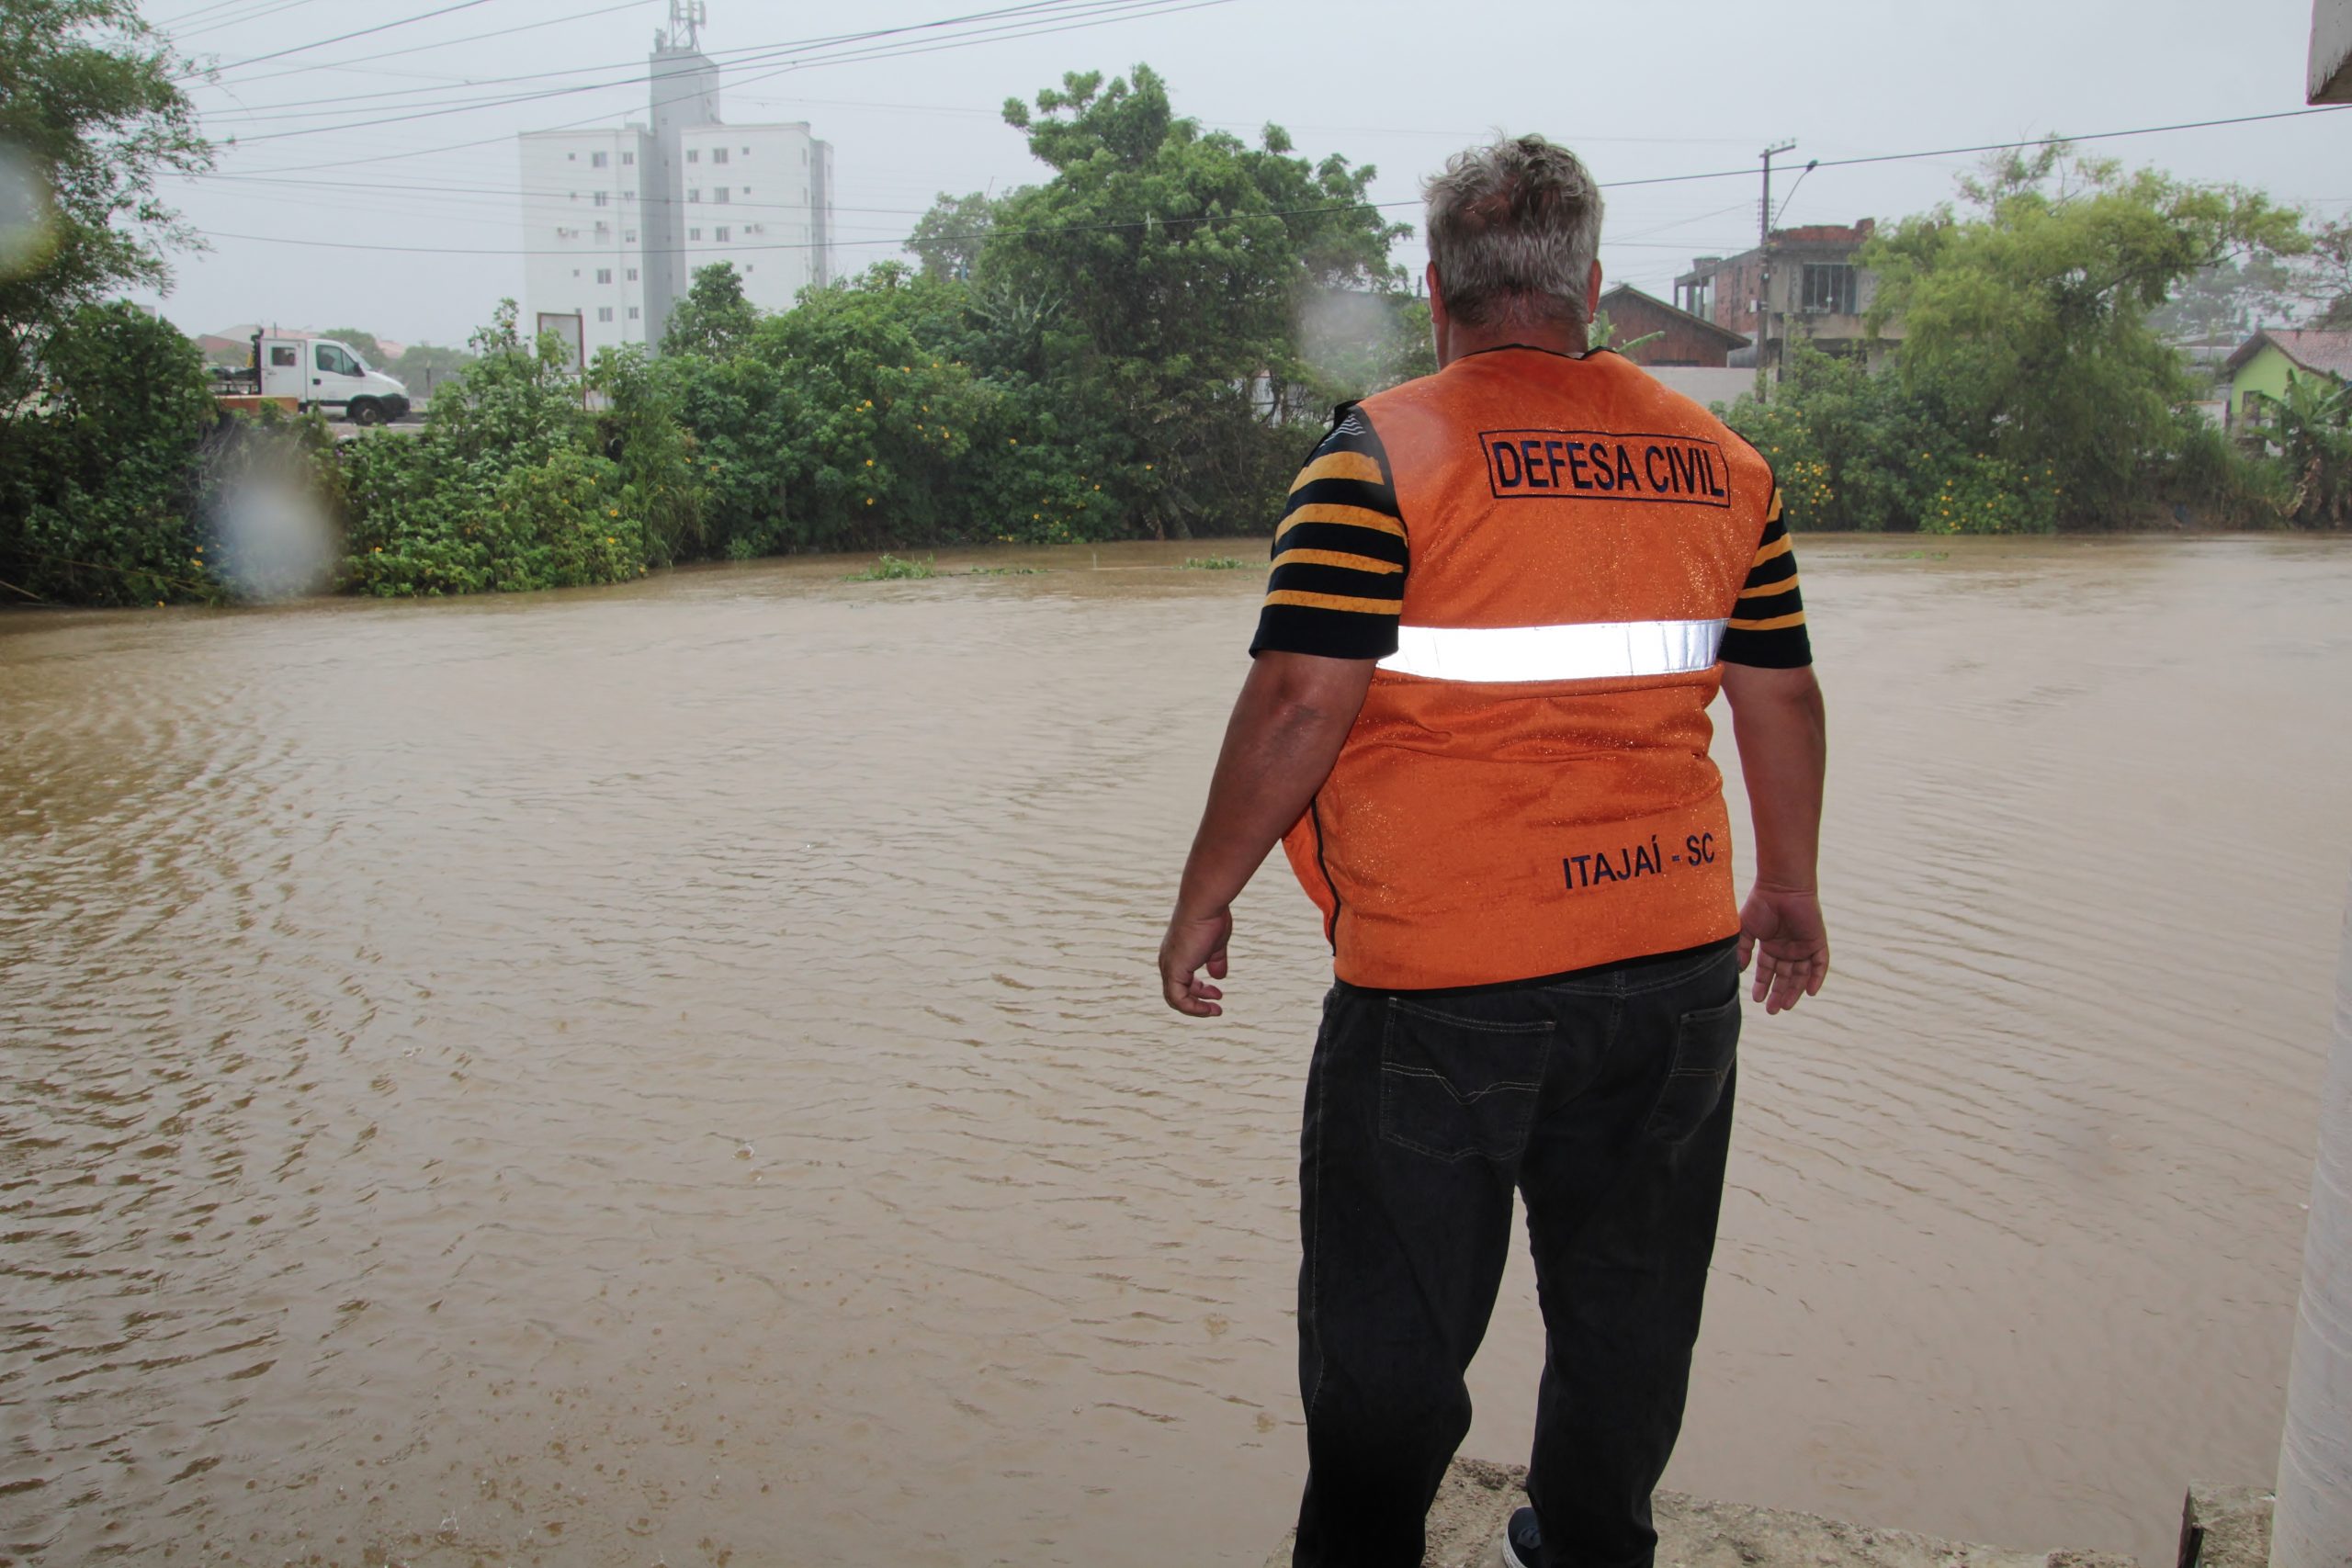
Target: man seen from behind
(1502, 599)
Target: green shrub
(97, 467)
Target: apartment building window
(604, 231)
(600, 197)
(719, 193)
(693, 154)
(597, 159)
(693, 233)
(724, 234)
(718, 154)
(628, 196)
(604, 275)
(693, 195)
(632, 275)
(628, 236)
(603, 312)
(632, 313)
(1829, 289)
(627, 160)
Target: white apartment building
(758, 196)
(615, 221)
(586, 232)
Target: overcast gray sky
(1643, 91)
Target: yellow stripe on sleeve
(1766, 589)
(1772, 513)
(1354, 517)
(1336, 558)
(1339, 466)
(1335, 602)
(1778, 547)
(1773, 625)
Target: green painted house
(2259, 372)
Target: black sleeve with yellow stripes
(1338, 583)
(1767, 629)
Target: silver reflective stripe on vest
(1608, 651)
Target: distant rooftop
(2324, 354)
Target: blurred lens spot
(273, 541)
(23, 212)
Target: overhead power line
(178, 29)
(1014, 22)
(1172, 221)
(342, 38)
(740, 54)
(1124, 9)
(374, 62)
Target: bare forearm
(1279, 747)
(1783, 754)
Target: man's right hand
(1781, 930)
(1194, 942)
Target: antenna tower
(687, 18)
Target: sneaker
(1523, 1540)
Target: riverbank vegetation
(2030, 387)
(1141, 345)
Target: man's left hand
(1192, 942)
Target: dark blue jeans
(1605, 1096)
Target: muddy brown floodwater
(673, 1073)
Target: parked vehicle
(300, 373)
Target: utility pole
(1764, 268)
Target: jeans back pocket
(1457, 1087)
(1706, 1042)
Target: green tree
(2328, 274)
(2029, 317)
(639, 426)
(365, 341)
(1164, 270)
(2224, 303)
(89, 94)
(424, 368)
(949, 238)
(98, 473)
(2312, 424)
(714, 320)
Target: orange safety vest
(1527, 790)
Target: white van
(319, 373)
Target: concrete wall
(1706, 384)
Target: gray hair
(1513, 230)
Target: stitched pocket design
(1706, 1042)
(1458, 1087)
